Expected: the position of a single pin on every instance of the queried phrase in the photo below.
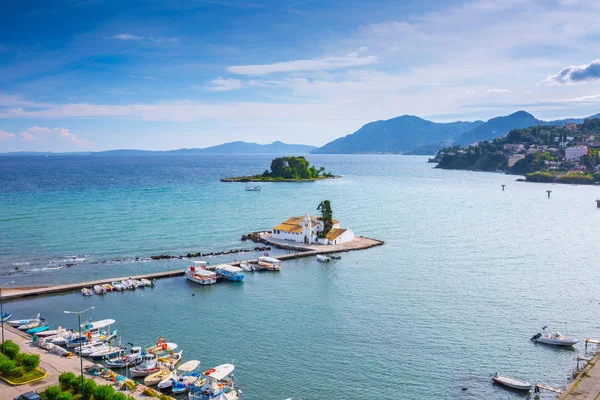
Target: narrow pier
(359, 243)
(586, 385)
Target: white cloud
(318, 64)
(223, 85)
(127, 36)
(577, 73)
(148, 40)
(497, 90)
(147, 77)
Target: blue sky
(95, 75)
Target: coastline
(258, 179)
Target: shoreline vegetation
(287, 169)
(547, 154)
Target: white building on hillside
(575, 153)
(306, 230)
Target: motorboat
(555, 339)
(148, 282)
(33, 324)
(132, 358)
(136, 284)
(270, 263)
(161, 346)
(512, 382)
(180, 381)
(38, 329)
(200, 276)
(19, 322)
(5, 316)
(246, 267)
(118, 285)
(106, 352)
(151, 363)
(108, 287)
(229, 272)
(157, 377)
(251, 187)
(62, 335)
(335, 256)
(323, 258)
(217, 384)
(48, 333)
(99, 289)
(86, 291)
(126, 284)
(90, 338)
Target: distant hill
(225, 148)
(498, 126)
(398, 135)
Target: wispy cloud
(127, 36)
(577, 73)
(222, 85)
(497, 90)
(151, 40)
(318, 64)
(147, 77)
(4, 135)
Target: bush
(6, 364)
(64, 396)
(52, 393)
(18, 372)
(577, 178)
(540, 177)
(30, 361)
(11, 349)
(90, 388)
(118, 396)
(65, 379)
(104, 392)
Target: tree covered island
(569, 154)
(287, 169)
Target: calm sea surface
(467, 275)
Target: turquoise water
(467, 275)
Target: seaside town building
(575, 153)
(307, 229)
(512, 160)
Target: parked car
(28, 396)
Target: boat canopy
(189, 366)
(269, 259)
(200, 262)
(229, 268)
(98, 324)
(203, 272)
(220, 372)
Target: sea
(468, 272)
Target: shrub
(11, 349)
(18, 372)
(65, 379)
(118, 396)
(577, 178)
(90, 388)
(64, 396)
(52, 393)
(6, 364)
(104, 392)
(30, 361)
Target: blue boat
(38, 329)
(230, 272)
(5, 317)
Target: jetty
(298, 251)
(586, 385)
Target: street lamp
(2, 312)
(80, 344)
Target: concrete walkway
(587, 384)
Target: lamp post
(2, 313)
(80, 344)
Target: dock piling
(548, 191)
(503, 187)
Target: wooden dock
(360, 243)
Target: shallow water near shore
(467, 275)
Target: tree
(6, 364)
(68, 380)
(52, 393)
(64, 396)
(104, 392)
(11, 349)
(326, 217)
(30, 361)
(90, 388)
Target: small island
(287, 169)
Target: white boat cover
(221, 371)
(189, 366)
(269, 259)
(98, 324)
(229, 268)
(203, 272)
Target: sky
(90, 75)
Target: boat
(136, 284)
(161, 347)
(35, 330)
(97, 325)
(555, 339)
(251, 187)
(246, 267)
(229, 272)
(86, 291)
(157, 377)
(132, 358)
(512, 382)
(62, 335)
(323, 258)
(200, 276)
(19, 322)
(5, 317)
(48, 333)
(118, 285)
(217, 384)
(148, 282)
(33, 324)
(99, 289)
(335, 256)
(151, 363)
(126, 284)
(270, 263)
(108, 287)
(107, 352)
(180, 381)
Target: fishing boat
(218, 384)
(155, 378)
(229, 272)
(179, 382)
(106, 352)
(323, 258)
(62, 335)
(512, 382)
(99, 289)
(86, 291)
(200, 276)
(108, 287)
(270, 263)
(555, 339)
(161, 347)
(38, 329)
(132, 358)
(48, 333)
(118, 285)
(5, 317)
(251, 187)
(33, 324)
(246, 267)
(151, 363)
(19, 322)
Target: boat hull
(512, 383)
(557, 342)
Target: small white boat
(86, 291)
(251, 187)
(33, 324)
(555, 339)
(147, 282)
(270, 263)
(218, 384)
(512, 382)
(19, 322)
(118, 285)
(133, 358)
(99, 289)
(246, 267)
(184, 375)
(150, 364)
(200, 276)
(136, 284)
(323, 258)
(126, 284)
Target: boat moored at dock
(200, 276)
(18, 322)
(132, 358)
(323, 258)
(269, 263)
(512, 382)
(229, 272)
(555, 339)
(5, 317)
(218, 384)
